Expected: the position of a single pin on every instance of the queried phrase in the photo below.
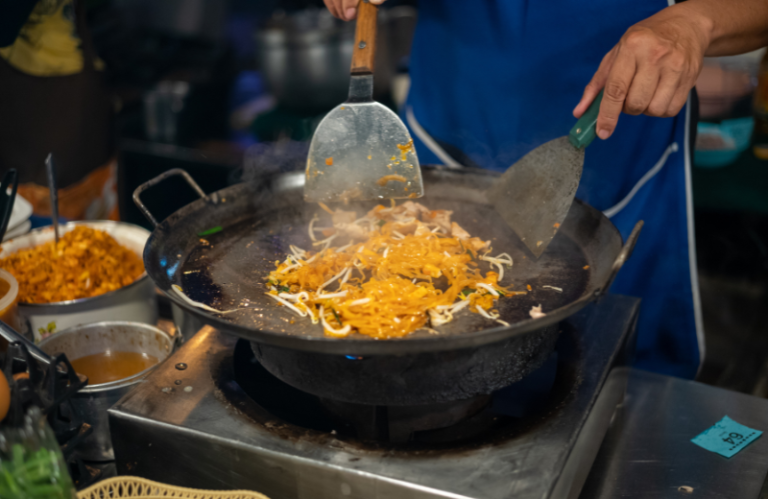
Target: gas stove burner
(225, 422)
(440, 423)
(401, 424)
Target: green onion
(467, 250)
(381, 223)
(335, 314)
(34, 475)
(284, 289)
(212, 230)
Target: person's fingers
(377, 2)
(332, 8)
(678, 101)
(349, 9)
(642, 88)
(689, 72)
(669, 82)
(616, 89)
(596, 84)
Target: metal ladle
(50, 168)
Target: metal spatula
(361, 149)
(534, 195)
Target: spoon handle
(10, 181)
(51, 170)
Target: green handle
(583, 132)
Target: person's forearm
(733, 26)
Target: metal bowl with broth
(124, 353)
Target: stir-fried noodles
(382, 282)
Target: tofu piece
(352, 230)
(536, 312)
(458, 232)
(407, 228)
(412, 209)
(421, 229)
(477, 244)
(440, 217)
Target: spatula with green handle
(534, 195)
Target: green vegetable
(502, 293)
(381, 223)
(280, 287)
(467, 250)
(37, 474)
(466, 292)
(335, 314)
(212, 230)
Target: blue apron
(493, 79)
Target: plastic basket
(140, 488)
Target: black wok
(260, 220)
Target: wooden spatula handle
(364, 51)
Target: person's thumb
(349, 9)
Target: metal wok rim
(371, 346)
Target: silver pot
(205, 19)
(135, 302)
(305, 56)
(93, 401)
(187, 324)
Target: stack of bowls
(19, 223)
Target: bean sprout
(302, 313)
(328, 329)
(488, 288)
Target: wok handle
(623, 256)
(364, 50)
(146, 185)
(583, 132)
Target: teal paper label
(726, 437)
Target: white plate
(22, 210)
(17, 231)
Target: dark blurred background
(229, 89)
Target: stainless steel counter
(181, 427)
(647, 452)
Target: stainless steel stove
(212, 418)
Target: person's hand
(346, 10)
(650, 71)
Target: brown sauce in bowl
(112, 366)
